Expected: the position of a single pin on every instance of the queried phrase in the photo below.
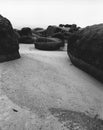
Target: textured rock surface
(70, 27)
(8, 41)
(36, 30)
(16, 31)
(77, 120)
(26, 31)
(48, 43)
(26, 36)
(51, 30)
(26, 39)
(87, 45)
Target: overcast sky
(42, 13)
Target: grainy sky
(42, 13)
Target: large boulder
(9, 47)
(16, 31)
(43, 43)
(86, 45)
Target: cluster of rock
(85, 48)
(9, 47)
(71, 27)
(45, 40)
(85, 45)
(30, 36)
(54, 32)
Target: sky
(41, 13)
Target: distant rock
(9, 47)
(37, 29)
(26, 31)
(27, 40)
(61, 37)
(51, 30)
(43, 43)
(70, 27)
(87, 46)
(61, 25)
(26, 36)
(73, 28)
(67, 25)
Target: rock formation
(51, 30)
(61, 37)
(26, 31)
(43, 43)
(87, 46)
(37, 29)
(61, 25)
(26, 39)
(9, 48)
(26, 36)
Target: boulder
(61, 25)
(26, 36)
(9, 47)
(43, 43)
(16, 31)
(67, 25)
(73, 28)
(26, 31)
(51, 30)
(27, 40)
(60, 36)
(37, 29)
(86, 45)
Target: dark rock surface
(61, 37)
(67, 25)
(16, 31)
(73, 28)
(26, 31)
(26, 36)
(87, 45)
(26, 39)
(61, 25)
(37, 29)
(76, 120)
(43, 43)
(8, 41)
(51, 30)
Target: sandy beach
(40, 81)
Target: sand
(39, 81)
